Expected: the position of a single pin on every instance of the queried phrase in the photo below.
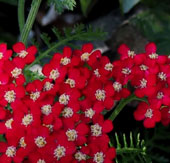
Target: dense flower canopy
(60, 118)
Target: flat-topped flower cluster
(60, 118)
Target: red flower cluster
(149, 74)
(60, 118)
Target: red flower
(4, 53)
(100, 152)
(87, 54)
(153, 57)
(11, 93)
(27, 54)
(165, 116)
(149, 113)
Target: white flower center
(16, 72)
(67, 112)
(27, 120)
(96, 130)
(149, 113)
(22, 142)
(160, 95)
(10, 96)
(108, 67)
(59, 152)
(80, 156)
(50, 127)
(162, 76)
(89, 113)
(64, 99)
(153, 56)
(41, 161)
(85, 56)
(54, 74)
(48, 86)
(131, 54)
(117, 86)
(71, 82)
(1, 55)
(40, 141)
(11, 151)
(65, 61)
(71, 134)
(100, 95)
(8, 123)
(126, 71)
(96, 72)
(143, 67)
(46, 109)
(35, 95)
(143, 83)
(99, 157)
(23, 54)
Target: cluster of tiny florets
(60, 118)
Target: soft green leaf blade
(127, 5)
(84, 6)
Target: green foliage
(127, 5)
(2, 139)
(130, 148)
(31, 76)
(10, 2)
(78, 32)
(154, 24)
(60, 5)
(158, 144)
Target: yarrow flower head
(59, 117)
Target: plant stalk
(21, 14)
(30, 20)
(122, 104)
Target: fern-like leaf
(130, 149)
(79, 32)
(60, 5)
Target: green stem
(122, 104)
(21, 15)
(30, 20)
